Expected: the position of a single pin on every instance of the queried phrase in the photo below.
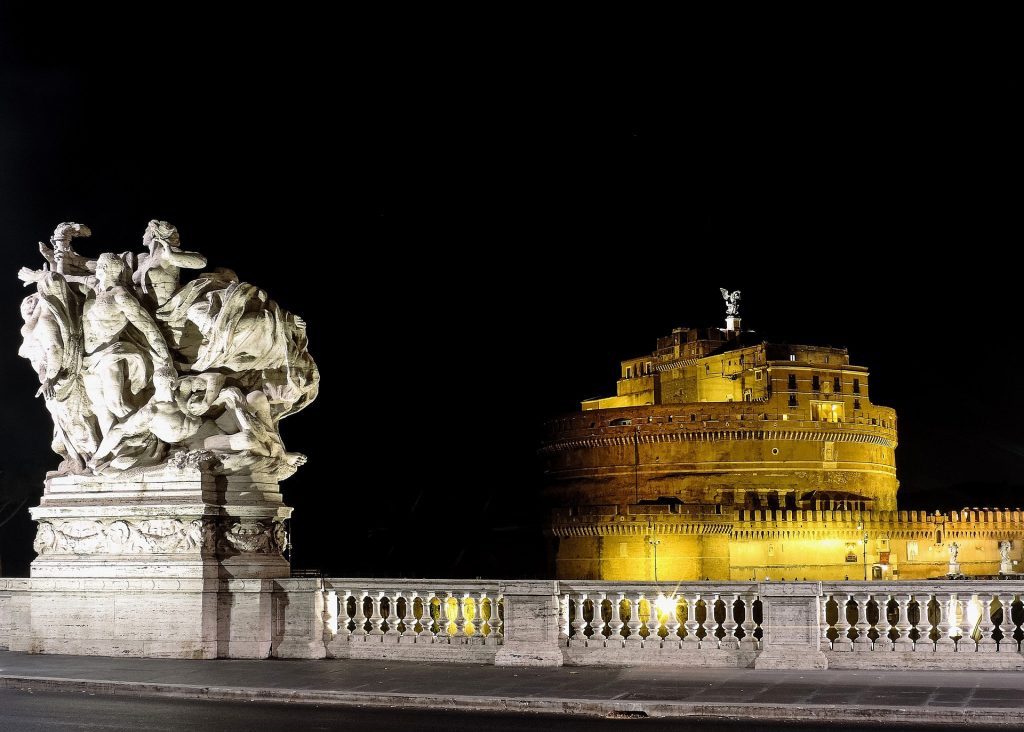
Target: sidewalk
(954, 697)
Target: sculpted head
(28, 306)
(161, 232)
(164, 378)
(110, 269)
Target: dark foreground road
(25, 711)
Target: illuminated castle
(722, 456)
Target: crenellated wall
(613, 542)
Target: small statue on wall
(732, 301)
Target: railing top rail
(911, 586)
(355, 584)
(614, 586)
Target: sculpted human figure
(954, 552)
(116, 354)
(158, 271)
(61, 256)
(52, 342)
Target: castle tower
(711, 422)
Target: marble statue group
(138, 370)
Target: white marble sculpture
(139, 371)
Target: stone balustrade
(920, 624)
(450, 620)
(693, 623)
(948, 624)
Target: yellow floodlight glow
(665, 605)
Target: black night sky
(477, 231)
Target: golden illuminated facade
(726, 457)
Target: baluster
(944, 643)
(579, 623)
(426, 619)
(376, 619)
(748, 642)
(498, 608)
(862, 642)
(730, 641)
(883, 642)
(956, 617)
(844, 642)
(903, 640)
(672, 639)
(460, 617)
(409, 616)
(596, 624)
(564, 629)
(615, 639)
(710, 640)
(1009, 643)
(986, 643)
(653, 639)
(486, 629)
(343, 616)
(442, 618)
(826, 643)
(392, 634)
(360, 615)
(691, 624)
(634, 623)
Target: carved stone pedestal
(168, 562)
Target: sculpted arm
(142, 320)
(187, 260)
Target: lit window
(911, 550)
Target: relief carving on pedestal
(157, 536)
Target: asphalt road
(26, 711)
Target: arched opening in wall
(938, 536)
(773, 499)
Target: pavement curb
(541, 705)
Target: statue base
(169, 562)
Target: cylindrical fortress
(706, 425)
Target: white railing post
(862, 642)
(882, 640)
(944, 642)
(903, 641)
(392, 634)
(690, 641)
(426, 617)
(634, 623)
(653, 639)
(672, 639)
(748, 642)
(710, 640)
(615, 640)
(730, 642)
(579, 623)
(409, 616)
(986, 628)
(375, 617)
